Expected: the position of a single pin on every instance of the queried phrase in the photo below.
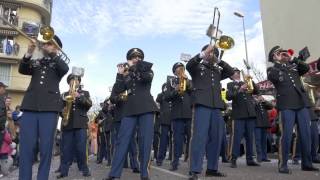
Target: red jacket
(6, 148)
(272, 114)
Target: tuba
(248, 80)
(222, 42)
(70, 98)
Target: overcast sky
(97, 34)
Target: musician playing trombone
(207, 71)
(40, 106)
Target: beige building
(28, 16)
(291, 24)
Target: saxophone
(182, 80)
(248, 81)
(69, 99)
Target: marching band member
(74, 134)
(207, 71)
(261, 128)
(40, 106)
(139, 110)
(244, 117)
(293, 103)
(119, 100)
(181, 110)
(165, 127)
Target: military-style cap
(3, 85)
(135, 52)
(176, 65)
(72, 76)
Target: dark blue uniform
(244, 117)
(40, 106)
(118, 115)
(165, 127)
(314, 135)
(293, 103)
(260, 132)
(74, 134)
(104, 120)
(208, 123)
(180, 117)
(139, 109)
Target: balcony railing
(46, 4)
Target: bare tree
(95, 107)
(258, 74)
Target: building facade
(292, 24)
(28, 16)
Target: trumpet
(182, 80)
(222, 42)
(124, 95)
(46, 34)
(248, 80)
(70, 98)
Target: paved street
(268, 171)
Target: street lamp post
(244, 34)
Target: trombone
(46, 34)
(223, 42)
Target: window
(7, 45)
(9, 12)
(5, 70)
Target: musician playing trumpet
(179, 94)
(40, 106)
(243, 115)
(74, 132)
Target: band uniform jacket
(181, 103)
(43, 93)
(165, 109)
(116, 100)
(243, 103)
(78, 113)
(3, 114)
(206, 79)
(262, 120)
(286, 79)
(138, 84)
(109, 118)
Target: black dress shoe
(173, 168)
(135, 170)
(233, 163)
(252, 163)
(99, 162)
(145, 178)
(225, 161)
(295, 162)
(159, 163)
(266, 160)
(284, 170)
(109, 178)
(317, 161)
(60, 176)
(311, 168)
(193, 176)
(88, 174)
(214, 173)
